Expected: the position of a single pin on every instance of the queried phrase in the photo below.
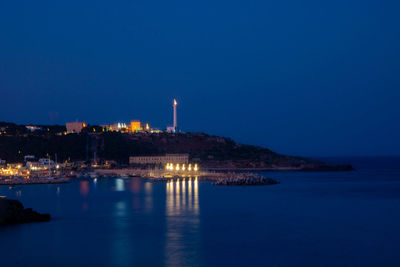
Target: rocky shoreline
(230, 178)
(13, 212)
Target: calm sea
(309, 219)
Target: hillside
(210, 151)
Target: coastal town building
(75, 127)
(170, 129)
(118, 126)
(135, 126)
(36, 166)
(41, 164)
(33, 128)
(168, 158)
(29, 158)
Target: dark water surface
(310, 219)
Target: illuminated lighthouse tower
(175, 116)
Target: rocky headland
(13, 212)
(211, 152)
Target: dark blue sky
(315, 78)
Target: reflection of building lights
(196, 196)
(148, 187)
(190, 188)
(119, 185)
(135, 186)
(84, 188)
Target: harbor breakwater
(218, 178)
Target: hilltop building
(135, 126)
(32, 128)
(118, 126)
(75, 127)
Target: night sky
(313, 78)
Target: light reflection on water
(182, 216)
(310, 219)
(148, 201)
(129, 202)
(136, 185)
(84, 188)
(120, 209)
(119, 185)
(178, 199)
(121, 244)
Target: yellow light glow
(190, 167)
(196, 168)
(177, 167)
(183, 167)
(175, 103)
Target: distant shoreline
(312, 168)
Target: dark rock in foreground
(245, 179)
(13, 212)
